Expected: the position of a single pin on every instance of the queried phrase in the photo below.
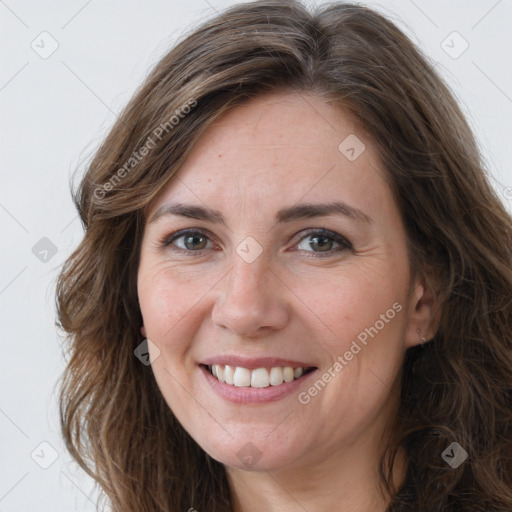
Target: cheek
(364, 343)
(174, 304)
(363, 319)
(165, 299)
(354, 299)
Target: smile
(256, 378)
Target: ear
(143, 331)
(424, 314)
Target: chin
(252, 452)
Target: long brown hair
(456, 388)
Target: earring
(422, 338)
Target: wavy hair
(456, 388)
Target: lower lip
(248, 395)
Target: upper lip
(252, 363)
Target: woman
(294, 290)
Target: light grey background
(55, 111)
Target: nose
(251, 301)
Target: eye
(319, 242)
(188, 240)
(323, 242)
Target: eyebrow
(295, 212)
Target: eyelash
(344, 244)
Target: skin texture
(274, 152)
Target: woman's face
(276, 259)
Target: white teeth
(242, 377)
(288, 374)
(276, 376)
(229, 373)
(258, 378)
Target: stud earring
(422, 338)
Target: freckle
(220, 156)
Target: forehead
(279, 148)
